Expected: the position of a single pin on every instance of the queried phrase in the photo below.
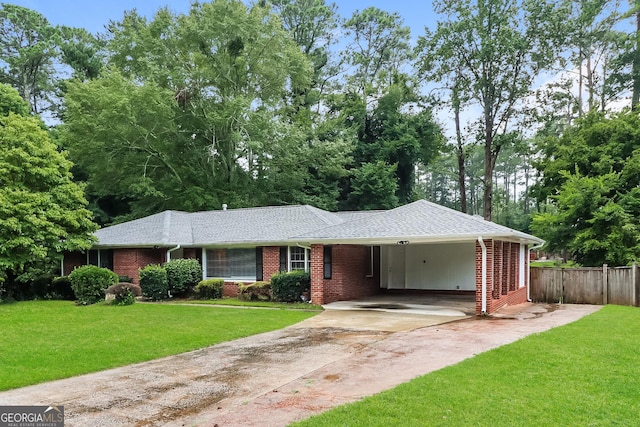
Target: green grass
(47, 340)
(556, 263)
(581, 374)
(263, 304)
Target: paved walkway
(279, 377)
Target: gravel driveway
(278, 377)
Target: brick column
(317, 275)
(270, 262)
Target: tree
(374, 187)
(312, 24)
(42, 211)
(591, 176)
(190, 113)
(27, 49)
(498, 47)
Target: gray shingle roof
(235, 226)
(420, 221)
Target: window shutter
(327, 255)
(283, 258)
(259, 276)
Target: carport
(421, 247)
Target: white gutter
(529, 268)
(171, 250)
(484, 275)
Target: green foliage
(210, 289)
(27, 49)
(173, 121)
(492, 52)
(124, 293)
(258, 291)
(289, 286)
(89, 283)
(182, 275)
(42, 211)
(61, 289)
(591, 176)
(374, 187)
(153, 282)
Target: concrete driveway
(276, 378)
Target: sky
(94, 15)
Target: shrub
(210, 289)
(125, 279)
(89, 283)
(153, 282)
(289, 287)
(61, 289)
(182, 275)
(258, 291)
(123, 293)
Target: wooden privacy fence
(599, 285)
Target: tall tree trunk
(635, 71)
(487, 199)
(461, 161)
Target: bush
(125, 279)
(61, 289)
(258, 291)
(182, 275)
(289, 287)
(123, 293)
(210, 289)
(153, 282)
(90, 282)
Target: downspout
(484, 275)
(171, 250)
(529, 269)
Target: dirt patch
(275, 378)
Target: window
(235, 264)
(327, 254)
(101, 258)
(299, 258)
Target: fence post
(634, 279)
(605, 284)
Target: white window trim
(239, 279)
(307, 258)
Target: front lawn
(47, 340)
(235, 302)
(581, 374)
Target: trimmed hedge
(258, 291)
(153, 282)
(182, 275)
(210, 289)
(89, 283)
(124, 293)
(61, 289)
(289, 287)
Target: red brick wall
(502, 276)
(270, 262)
(73, 260)
(350, 264)
(126, 262)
